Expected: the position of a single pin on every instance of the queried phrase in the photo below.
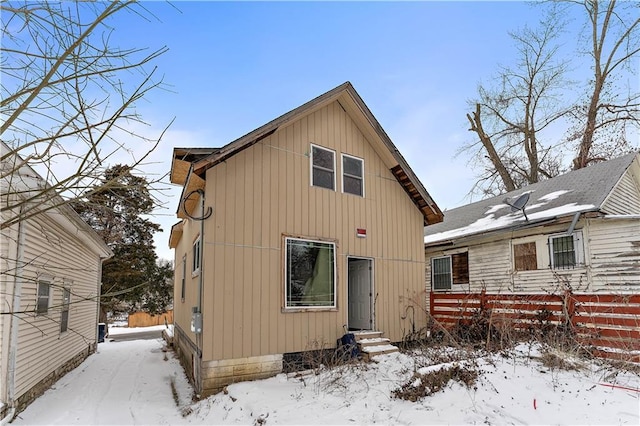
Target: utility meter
(196, 321)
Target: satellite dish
(519, 204)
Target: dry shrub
(554, 361)
(421, 385)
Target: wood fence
(597, 320)
(143, 319)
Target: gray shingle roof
(577, 191)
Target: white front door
(360, 293)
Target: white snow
(496, 208)
(490, 222)
(553, 195)
(129, 383)
(116, 331)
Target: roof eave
(347, 96)
(461, 239)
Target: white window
(352, 175)
(42, 304)
(449, 270)
(323, 167)
(196, 256)
(64, 318)
(565, 251)
(441, 273)
(310, 274)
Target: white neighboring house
(581, 231)
(50, 276)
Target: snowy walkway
(128, 383)
(123, 383)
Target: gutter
(622, 216)
(482, 234)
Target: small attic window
(352, 175)
(323, 167)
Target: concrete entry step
(371, 343)
(366, 334)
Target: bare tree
(68, 101)
(613, 42)
(509, 118)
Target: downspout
(14, 325)
(574, 222)
(98, 300)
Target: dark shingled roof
(581, 190)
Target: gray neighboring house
(50, 276)
(581, 232)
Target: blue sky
(232, 67)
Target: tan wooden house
(50, 279)
(579, 231)
(303, 228)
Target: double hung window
(42, 304)
(352, 175)
(64, 318)
(196, 256)
(449, 270)
(323, 167)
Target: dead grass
(422, 385)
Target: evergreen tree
(131, 280)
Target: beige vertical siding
(50, 251)
(263, 193)
(615, 254)
(625, 198)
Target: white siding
(50, 251)
(625, 197)
(491, 266)
(615, 254)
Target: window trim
(38, 310)
(433, 259)
(342, 157)
(334, 171)
(197, 256)
(578, 250)
(455, 273)
(298, 308)
(65, 309)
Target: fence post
(483, 298)
(431, 299)
(569, 309)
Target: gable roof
(579, 191)
(18, 178)
(353, 104)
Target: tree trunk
(476, 126)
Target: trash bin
(102, 330)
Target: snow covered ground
(130, 383)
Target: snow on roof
(491, 222)
(577, 191)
